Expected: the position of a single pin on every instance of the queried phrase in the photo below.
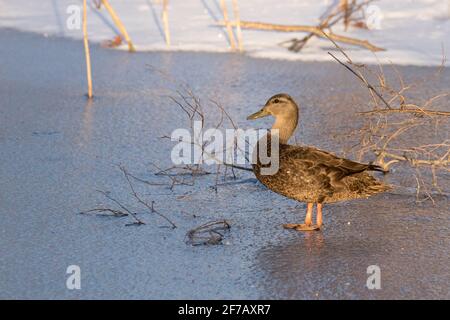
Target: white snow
(413, 31)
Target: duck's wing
(335, 167)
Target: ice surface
(56, 150)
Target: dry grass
(122, 210)
(190, 105)
(350, 13)
(393, 129)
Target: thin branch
(415, 162)
(207, 234)
(237, 167)
(414, 111)
(317, 31)
(115, 213)
(369, 86)
(141, 201)
(132, 214)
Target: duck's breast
(296, 178)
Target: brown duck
(308, 174)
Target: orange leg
(309, 213)
(307, 226)
(319, 220)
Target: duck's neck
(286, 127)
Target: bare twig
(124, 211)
(141, 201)
(123, 207)
(412, 111)
(388, 132)
(317, 31)
(416, 162)
(368, 85)
(207, 234)
(101, 211)
(325, 21)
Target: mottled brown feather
(308, 174)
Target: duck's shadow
(316, 265)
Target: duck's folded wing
(334, 166)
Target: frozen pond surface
(56, 150)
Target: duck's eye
(276, 101)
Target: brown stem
(119, 24)
(415, 111)
(228, 24)
(86, 50)
(165, 18)
(317, 31)
(369, 86)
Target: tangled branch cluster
(400, 131)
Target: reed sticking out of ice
(228, 25)
(165, 18)
(86, 50)
(119, 24)
(238, 24)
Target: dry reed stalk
(360, 77)
(333, 15)
(165, 18)
(238, 24)
(150, 207)
(190, 105)
(228, 25)
(207, 234)
(86, 50)
(448, 7)
(325, 22)
(414, 111)
(301, 28)
(344, 7)
(123, 210)
(119, 24)
(385, 129)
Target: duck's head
(279, 106)
(285, 111)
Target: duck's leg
(319, 220)
(307, 226)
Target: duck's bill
(261, 113)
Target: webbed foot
(302, 226)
